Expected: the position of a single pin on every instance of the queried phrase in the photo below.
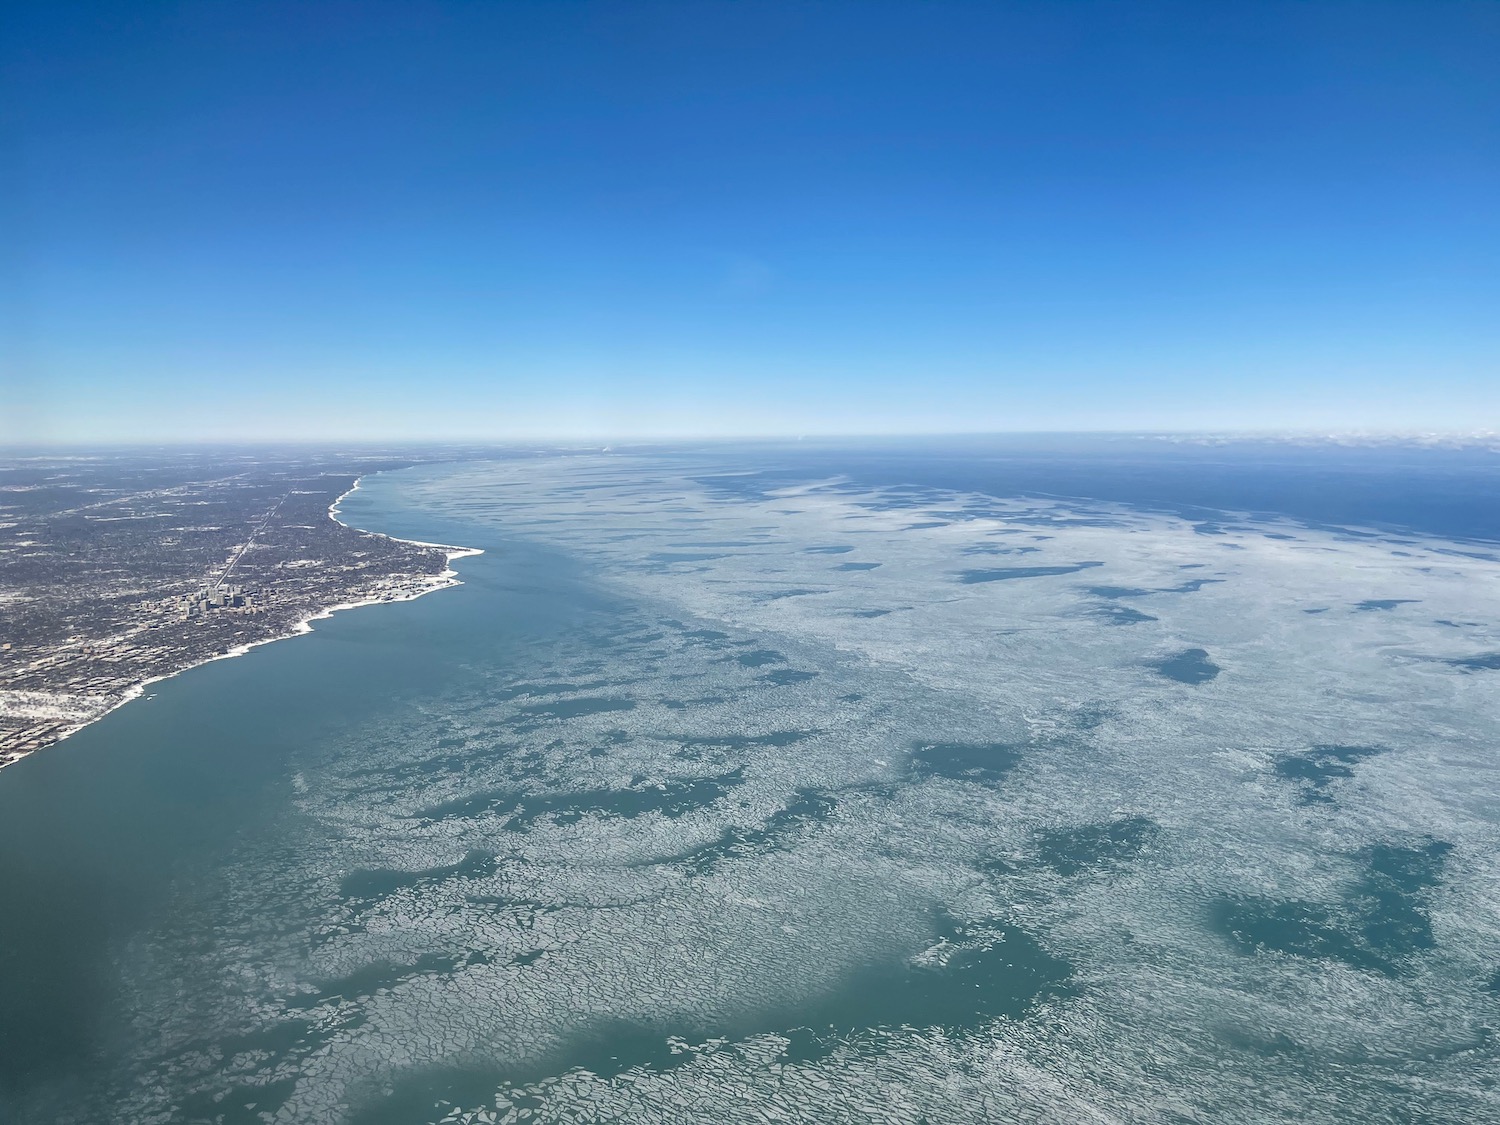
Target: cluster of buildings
(219, 599)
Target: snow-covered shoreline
(441, 581)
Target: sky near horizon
(574, 220)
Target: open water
(1108, 782)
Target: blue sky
(578, 220)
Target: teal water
(692, 807)
(123, 837)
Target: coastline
(441, 581)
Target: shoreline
(448, 577)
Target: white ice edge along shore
(449, 577)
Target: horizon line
(1450, 437)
